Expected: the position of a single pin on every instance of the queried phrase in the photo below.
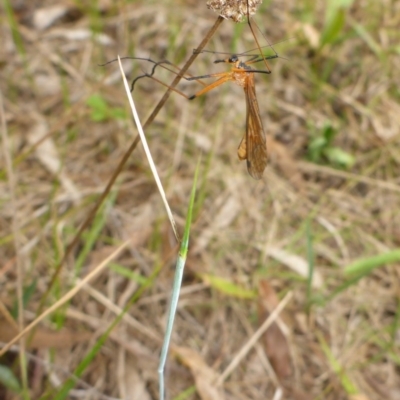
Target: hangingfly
(253, 147)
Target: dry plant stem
(182, 72)
(125, 158)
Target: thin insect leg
(252, 58)
(160, 63)
(252, 61)
(270, 46)
(224, 78)
(251, 71)
(156, 64)
(169, 87)
(210, 51)
(255, 37)
(133, 58)
(147, 75)
(217, 75)
(244, 54)
(262, 58)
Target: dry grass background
(252, 241)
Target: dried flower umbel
(234, 9)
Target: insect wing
(255, 142)
(242, 149)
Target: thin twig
(124, 159)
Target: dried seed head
(233, 9)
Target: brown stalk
(125, 158)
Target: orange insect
(253, 146)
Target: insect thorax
(240, 77)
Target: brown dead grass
(249, 233)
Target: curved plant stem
(125, 158)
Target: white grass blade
(147, 151)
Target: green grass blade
(127, 273)
(180, 265)
(367, 38)
(360, 268)
(17, 38)
(93, 235)
(228, 288)
(185, 240)
(9, 380)
(366, 265)
(334, 20)
(186, 394)
(345, 380)
(311, 261)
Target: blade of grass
(347, 384)
(334, 20)
(187, 393)
(9, 380)
(396, 323)
(365, 265)
(368, 39)
(180, 265)
(147, 151)
(311, 262)
(127, 273)
(360, 268)
(228, 288)
(12, 22)
(94, 232)
(341, 288)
